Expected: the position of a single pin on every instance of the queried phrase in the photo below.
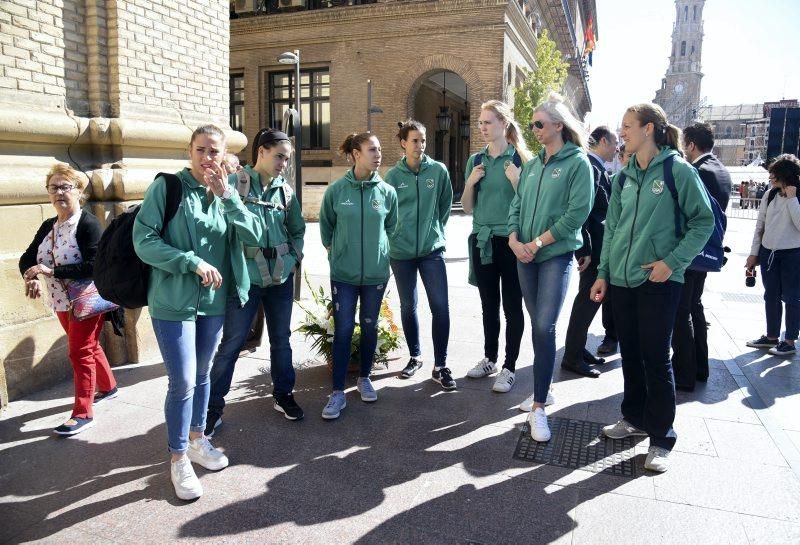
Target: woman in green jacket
(554, 198)
(269, 273)
(492, 176)
(357, 218)
(642, 266)
(424, 199)
(196, 263)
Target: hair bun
(399, 124)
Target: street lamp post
(371, 108)
(294, 58)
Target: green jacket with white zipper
(424, 200)
(640, 224)
(356, 221)
(555, 196)
(203, 229)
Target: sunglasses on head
(535, 125)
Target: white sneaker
(202, 452)
(482, 369)
(504, 381)
(657, 459)
(537, 421)
(622, 429)
(187, 486)
(527, 405)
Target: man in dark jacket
(689, 338)
(602, 148)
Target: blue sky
(751, 53)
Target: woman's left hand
(659, 271)
(216, 178)
(33, 289)
(790, 191)
(36, 270)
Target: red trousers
(90, 367)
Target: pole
(298, 176)
(369, 105)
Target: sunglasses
(535, 125)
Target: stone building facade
(114, 88)
(679, 94)
(420, 55)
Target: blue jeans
(187, 348)
(344, 298)
(780, 272)
(544, 286)
(434, 276)
(277, 301)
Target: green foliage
(550, 75)
(318, 326)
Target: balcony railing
(249, 8)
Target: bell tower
(680, 88)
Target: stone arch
(412, 79)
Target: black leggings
(494, 279)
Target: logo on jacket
(506, 164)
(376, 204)
(348, 202)
(402, 185)
(556, 173)
(430, 183)
(658, 187)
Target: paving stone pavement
(421, 465)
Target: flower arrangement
(318, 326)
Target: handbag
(84, 300)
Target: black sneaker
(443, 376)
(213, 421)
(762, 342)
(285, 403)
(607, 347)
(411, 367)
(74, 425)
(102, 396)
(782, 349)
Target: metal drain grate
(581, 445)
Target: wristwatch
(538, 242)
(227, 193)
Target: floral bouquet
(318, 326)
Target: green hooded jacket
(424, 200)
(555, 196)
(640, 225)
(277, 227)
(202, 230)
(356, 221)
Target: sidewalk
(422, 465)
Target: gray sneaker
(621, 430)
(336, 402)
(366, 390)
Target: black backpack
(120, 276)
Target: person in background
(64, 249)
(357, 219)
(776, 247)
(602, 148)
(424, 199)
(690, 336)
(491, 184)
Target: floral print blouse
(66, 252)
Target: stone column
(115, 88)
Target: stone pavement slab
(421, 465)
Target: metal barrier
(743, 208)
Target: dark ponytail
(354, 142)
(267, 138)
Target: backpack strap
(477, 160)
(287, 197)
(669, 180)
(173, 197)
(772, 192)
(621, 180)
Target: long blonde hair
(513, 132)
(556, 110)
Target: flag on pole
(589, 40)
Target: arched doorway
(442, 104)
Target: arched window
(685, 13)
(692, 51)
(728, 131)
(694, 13)
(683, 49)
(752, 131)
